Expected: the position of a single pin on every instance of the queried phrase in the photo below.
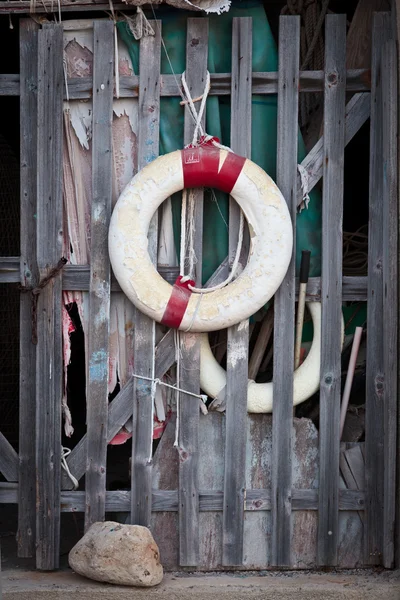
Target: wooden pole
(304, 271)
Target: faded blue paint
(143, 386)
(98, 365)
(150, 157)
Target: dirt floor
(21, 582)
(359, 585)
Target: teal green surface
(264, 122)
(354, 315)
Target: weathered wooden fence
(213, 511)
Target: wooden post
(99, 290)
(396, 17)
(196, 70)
(331, 292)
(238, 335)
(149, 116)
(284, 304)
(390, 296)
(29, 278)
(49, 367)
(375, 374)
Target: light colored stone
(119, 554)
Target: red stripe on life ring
(177, 303)
(200, 168)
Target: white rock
(116, 553)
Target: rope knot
(197, 116)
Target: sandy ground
(30, 585)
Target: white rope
(178, 377)
(64, 453)
(188, 224)
(167, 55)
(234, 266)
(188, 229)
(157, 381)
(183, 234)
(196, 310)
(154, 382)
(139, 25)
(197, 116)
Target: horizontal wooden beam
(354, 288)
(9, 85)
(76, 278)
(8, 493)
(80, 88)
(9, 269)
(210, 500)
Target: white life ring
(306, 378)
(270, 227)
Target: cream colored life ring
(306, 378)
(270, 231)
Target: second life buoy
(306, 378)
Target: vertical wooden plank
(331, 288)
(396, 29)
(196, 71)
(49, 368)
(29, 278)
(238, 335)
(375, 392)
(99, 290)
(189, 415)
(284, 303)
(390, 294)
(149, 116)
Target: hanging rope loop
(200, 138)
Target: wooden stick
(349, 377)
(261, 343)
(183, 102)
(304, 271)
